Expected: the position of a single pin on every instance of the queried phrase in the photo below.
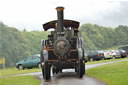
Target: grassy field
(14, 71)
(112, 74)
(20, 80)
(103, 61)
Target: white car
(107, 55)
(115, 53)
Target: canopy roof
(67, 23)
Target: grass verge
(20, 80)
(112, 74)
(14, 71)
(103, 61)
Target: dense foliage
(15, 44)
(98, 37)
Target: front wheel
(91, 59)
(20, 67)
(113, 57)
(103, 58)
(54, 70)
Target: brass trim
(60, 8)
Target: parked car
(124, 48)
(115, 53)
(29, 62)
(95, 55)
(123, 53)
(107, 54)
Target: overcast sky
(31, 14)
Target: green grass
(14, 71)
(103, 61)
(112, 74)
(22, 80)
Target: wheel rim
(91, 59)
(113, 57)
(103, 59)
(20, 67)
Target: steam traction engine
(63, 49)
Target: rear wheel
(81, 68)
(39, 65)
(113, 57)
(46, 71)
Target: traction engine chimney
(60, 22)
